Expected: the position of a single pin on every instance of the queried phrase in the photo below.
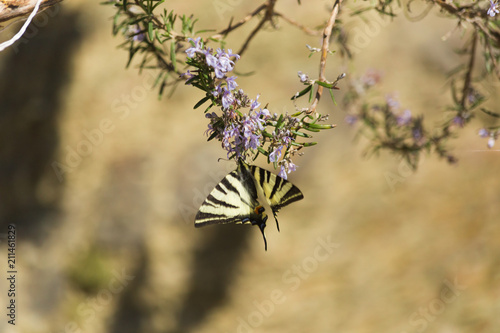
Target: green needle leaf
(201, 101)
(150, 30)
(303, 92)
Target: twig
(241, 22)
(267, 17)
(468, 75)
(298, 25)
(493, 60)
(324, 52)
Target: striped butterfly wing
(233, 200)
(278, 191)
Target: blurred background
(102, 180)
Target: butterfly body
(235, 198)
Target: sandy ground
(109, 244)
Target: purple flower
(225, 64)
(493, 10)
(248, 127)
(303, 77)
(484, 133)
(404, 119)
(229, 133)
(285, 137)
(256, 120)
(264, 113)
(227, 98)
(255, 103)
(253, 141)
(218, 90)
(275, 154)
(211, 60)
(220, 63)
(231, 54)
(286, 167)
(196, 48)
(282, 173)
(231, 83)
(188, 75)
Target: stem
(267, 17)
(468, 75)
(324, 53)
(298, 25)
(240, 23)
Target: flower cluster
(242, 134)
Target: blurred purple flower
(417, 133)
(484, 133)
(459, 121)
(392, 102)
(404, 119)
(493, 10)
(351, 119)
(491, 142)
(134, 31)
(371, 77)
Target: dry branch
(10, 9)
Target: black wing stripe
(259, 174)
(216, 202)
(220, 189)
(227, 184)
(247, 181)
(292, 195)
(277, 186)
(203, 219)
(262, 177)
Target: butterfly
(235, 198)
